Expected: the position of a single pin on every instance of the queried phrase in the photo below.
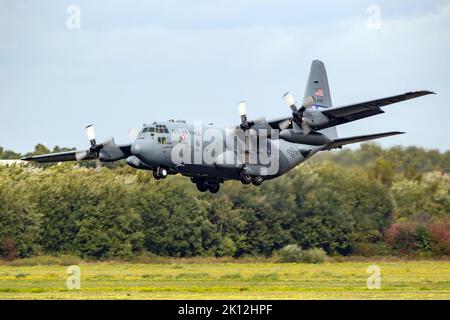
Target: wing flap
(337, 143)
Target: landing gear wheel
(245, 178)
(162, 172)
(202, 187)
(155, 175)
(257, 180)
(214, 188)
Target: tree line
(369, 201)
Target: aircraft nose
(138, 146)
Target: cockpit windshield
(155, 129)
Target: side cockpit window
(162, 140)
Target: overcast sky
(132, 62)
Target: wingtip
(421, 92)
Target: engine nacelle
(314, 117)
(134, 162)
(313, 138)
(111, 153)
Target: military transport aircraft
(172, 147)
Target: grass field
(343, 280)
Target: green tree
(20, 219)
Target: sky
(133, 62)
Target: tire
(162, 172)
(214, 188)
(155, 175)
(245, 178)
(257, 180)
(201, 187)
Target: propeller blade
(306, 128)
(259, 120)
(284, 124)
(309, 102)
(242, 108)
(108, 142)
(98, 165)
(80, 155)
(91, 134)
(290, 101)
(133, 133)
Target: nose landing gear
(160, 173)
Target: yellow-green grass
(332, 280)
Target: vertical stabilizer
(317, 86)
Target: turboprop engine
(313, 138)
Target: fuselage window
(162, 140)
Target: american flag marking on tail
(319, 92)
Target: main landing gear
(246, 179)
(203, 185)
(160, 173)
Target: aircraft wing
(275, 123)
(61, 156)
(339, 142)
(77, 155)
(348, 113)
(344, 114)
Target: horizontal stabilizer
(337, 143)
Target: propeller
(245, 123)
(90, 132)
(297, 113)
(133, 133)
(95, 148)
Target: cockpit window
(161, 129)
(144, 130)
(162, 140)
(151, 129)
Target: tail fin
(317, 86)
